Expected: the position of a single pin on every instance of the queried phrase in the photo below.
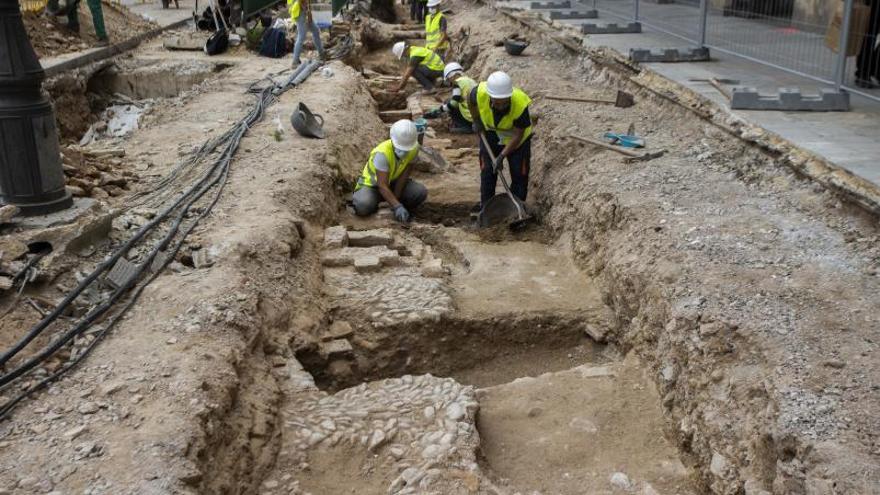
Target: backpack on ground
(274, 44)
(219, 41)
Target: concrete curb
(110, 51)
(844, 183)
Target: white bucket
(322, 15)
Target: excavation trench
(457, 360)
(619, 346)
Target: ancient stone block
(335, 348)
(370, 238)
(367, 264)
(338, 330)
(433, 269)
(335, 237)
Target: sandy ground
(735, 304)
(50, 37)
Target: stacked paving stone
(420, 429)
(383, 277)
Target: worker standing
(422, 63)
(502, 112)
(301, 13)
(436, 38)
(386, 175)
(72, 11)
(456, 106)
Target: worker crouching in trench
(422, 63)
(386, 175)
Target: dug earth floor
(701, 323)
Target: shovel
(622, 100)
(502, 206)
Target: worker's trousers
(73, 15)
(366, 199)
(458, 120)
(518, 161)
(417, 10)
(426, 76)
(301, 27)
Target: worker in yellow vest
(502, 112)
(422, 63)
(456, 106)
(386, 175)
(436, 38)
(301, 13)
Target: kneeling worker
(502, 111)
(422, 63)
(386, 175)
(456, 105)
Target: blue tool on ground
(625, 140)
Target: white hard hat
(451, 68)
(499, 85)
(404, 135)
(433, 3)
(397, 49)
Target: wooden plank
(394, 115)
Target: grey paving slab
(849, 139)
(670, 55)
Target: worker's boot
(457, 128)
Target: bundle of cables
(182, 207)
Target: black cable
(233, 139)
(10, 405)
(102, 267)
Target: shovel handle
(519, 209)
(582, 100)
(601, 144)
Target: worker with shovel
(501, 111)
(423, 64)
(456, 106)
(436, 38)
(386, 175)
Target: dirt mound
(50, 37)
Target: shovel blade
(499, 209)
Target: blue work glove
(434, 113)
(401, 214)
(496, 165)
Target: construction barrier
(778, 33)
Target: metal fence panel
(773, 33)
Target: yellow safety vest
(293, 9)
(369, 177)
(519, 101)
(429, 59)
(433, 33)
(465, 84)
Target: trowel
(502, 206)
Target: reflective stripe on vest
(519, 101)
(465, 84)
(369, 176)
(293, 9)
(429, 59)
(433, 33)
